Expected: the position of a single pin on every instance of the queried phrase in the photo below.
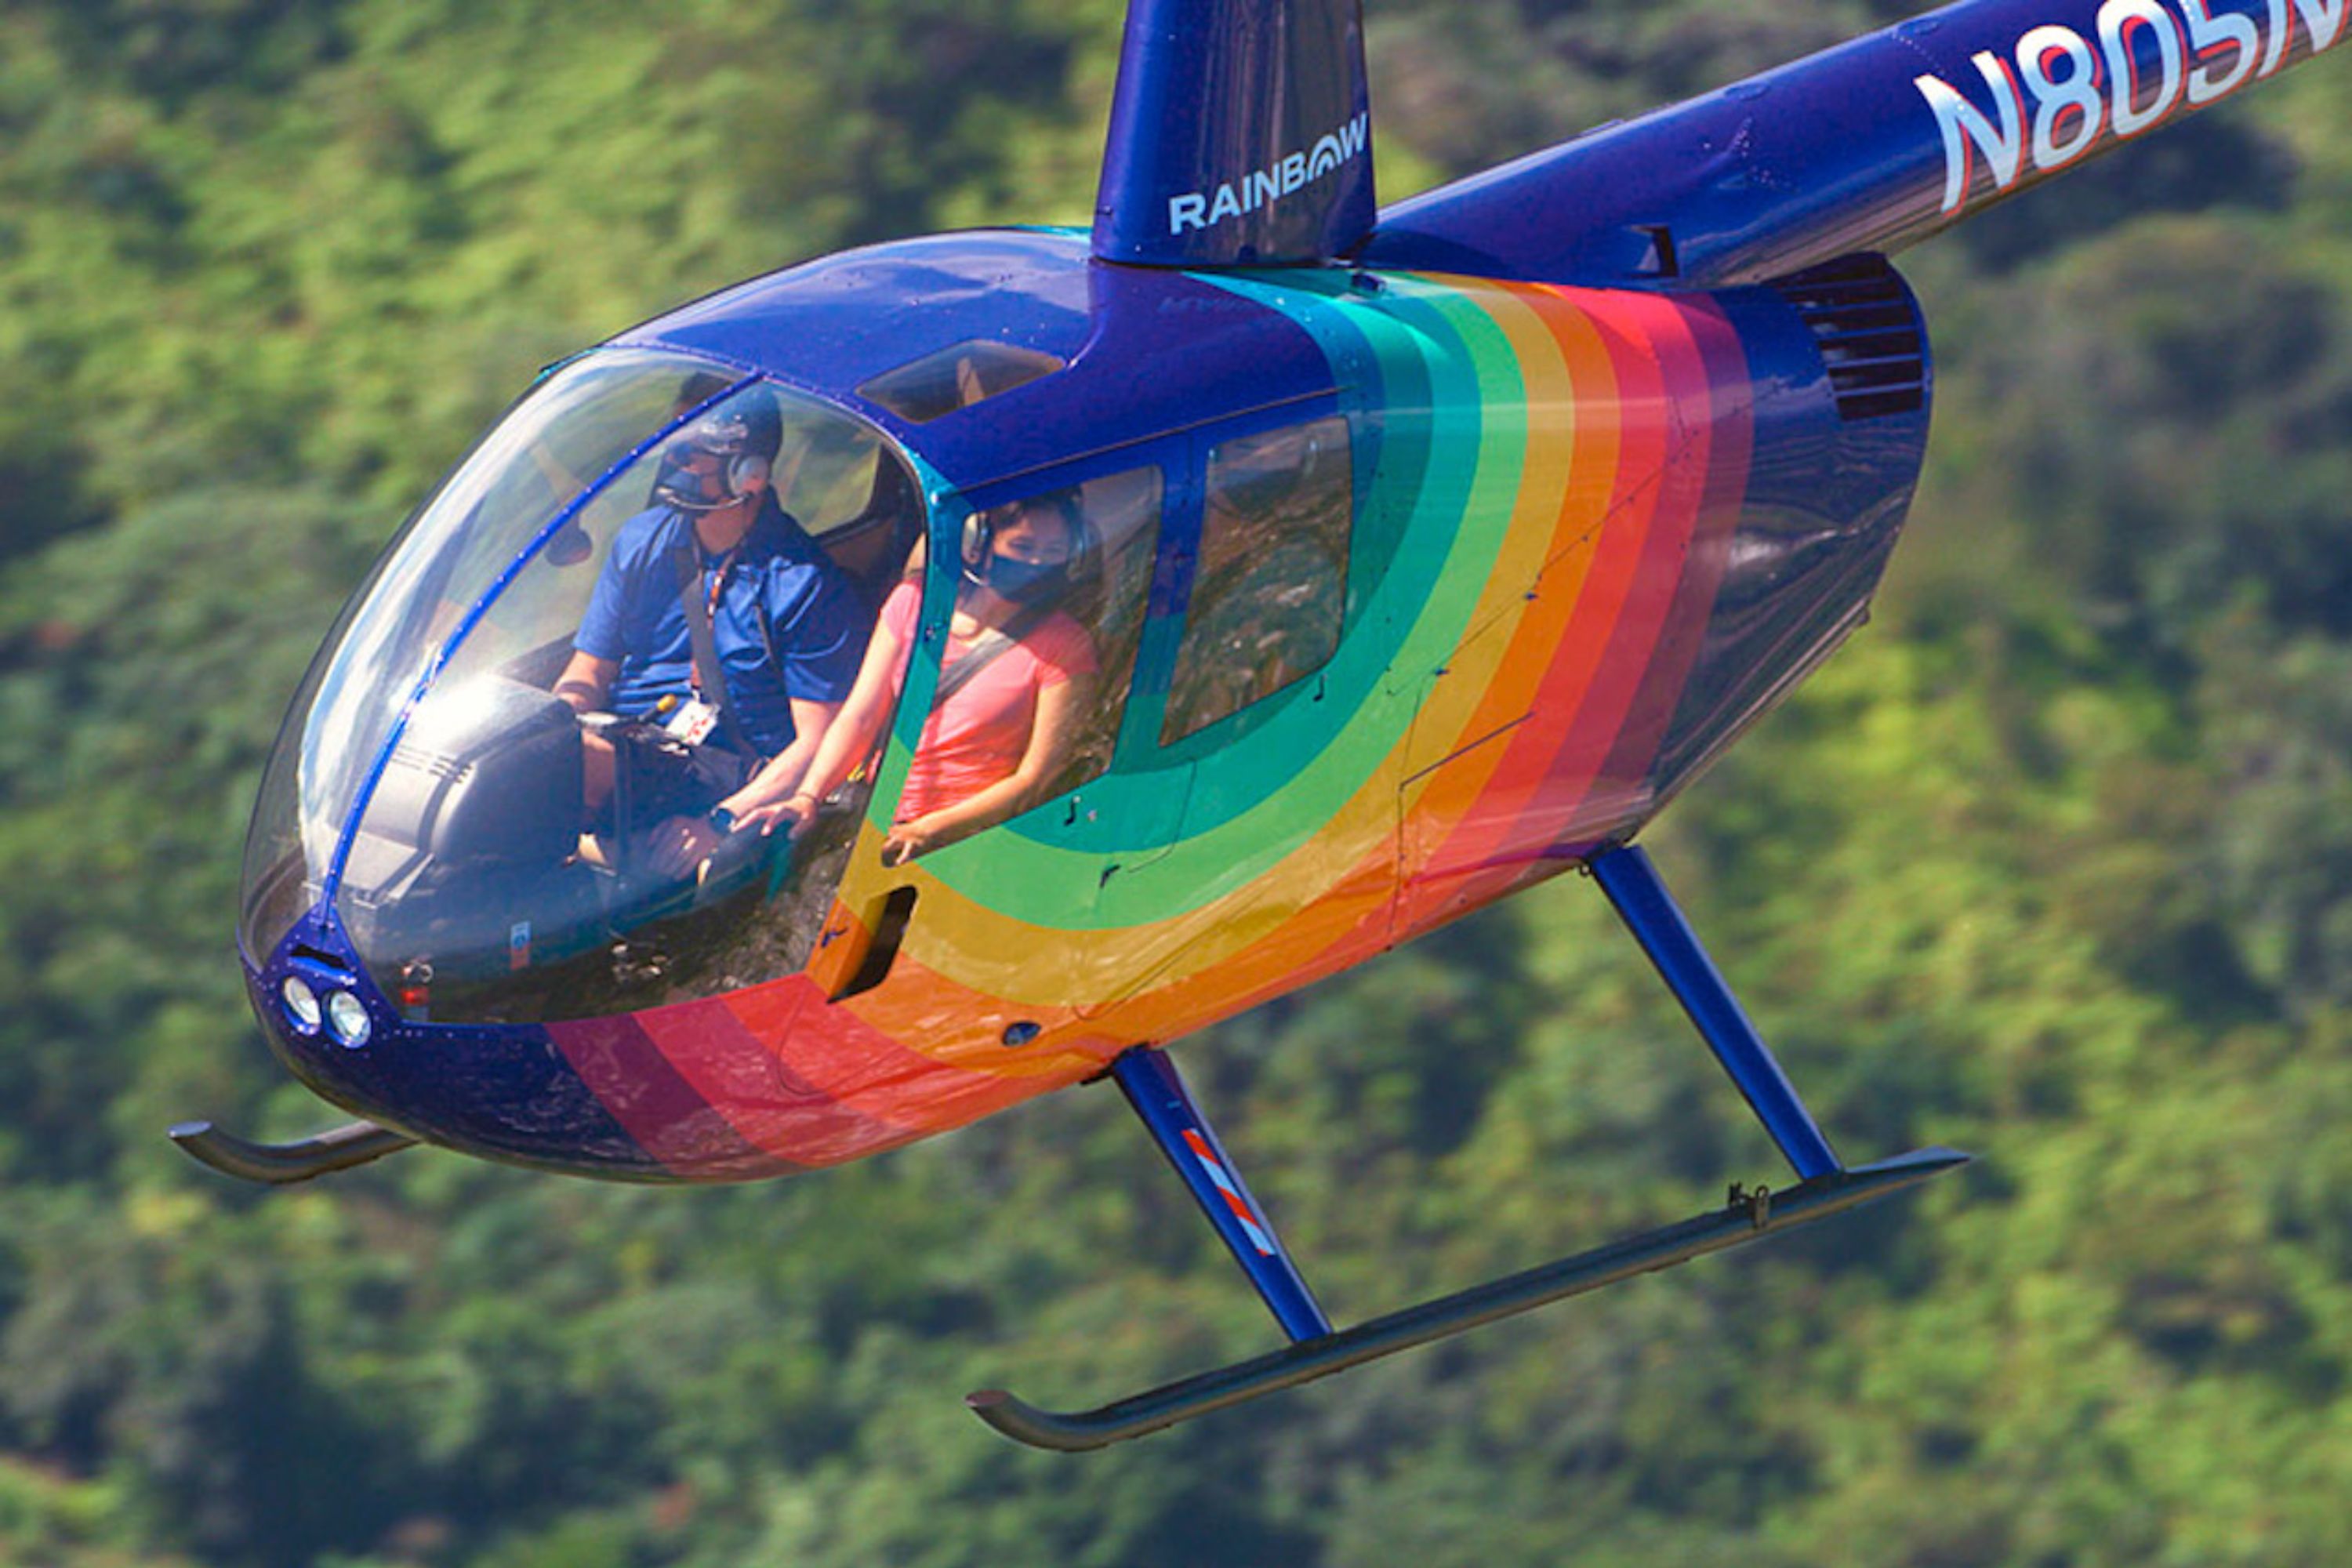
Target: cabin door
(998, 774)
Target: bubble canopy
(476, 834)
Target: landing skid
(279, 1164)
(1747, 1217)
(1825, 1186)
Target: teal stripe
(1453, 459)
(1252, 805)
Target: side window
(1040, 655)
(1270, 589)
(845, 487)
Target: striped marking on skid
(1225, 1184)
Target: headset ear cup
(746, 474)
(976, 531)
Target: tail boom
(1872, 146)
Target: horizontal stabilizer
(1240, 135)
(1746, 1217)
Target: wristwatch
(722, 819)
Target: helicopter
(1344, 570)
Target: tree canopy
(2054, 863)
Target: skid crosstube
(279, 1164)
(1156, 1092)
(1747, 1217)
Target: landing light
(349, 1017)
(301, 1003)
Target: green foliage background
(2054, 863)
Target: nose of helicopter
(700, 1092)
(447, 882)
(505, 1092)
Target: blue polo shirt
(777, 579)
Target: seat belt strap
(708, 674)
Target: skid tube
(281, 1164)
(1748, 1216)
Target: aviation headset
(745, 472)
(980, 533)
(744, 432)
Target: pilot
(1014, 681)
(783, 630)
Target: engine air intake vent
(1861, 315)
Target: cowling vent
(1861, 314)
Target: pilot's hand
(680, 844)
(801, 808)
(761, 818)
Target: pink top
(983, 732)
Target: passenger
(783, 633)
(1015, 677)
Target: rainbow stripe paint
(1549, 631)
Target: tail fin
(1240, 135)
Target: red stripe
(855, 1051)
(1207, 1157)
(1579, 791)
(1552, 758)
(1713, 356)
(626, 1072)
(754, 1085)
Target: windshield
(480, 759)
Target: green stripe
(1450, 473)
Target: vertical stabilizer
(1240, 135)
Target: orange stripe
(1465, 809)
(1611, 656)
(1522, 780)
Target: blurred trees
(2051, 864)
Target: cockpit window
(632, 611)
(562, 437)
(956, 377)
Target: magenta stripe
(624, 1068)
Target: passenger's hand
(909, 839)
(680, 844)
